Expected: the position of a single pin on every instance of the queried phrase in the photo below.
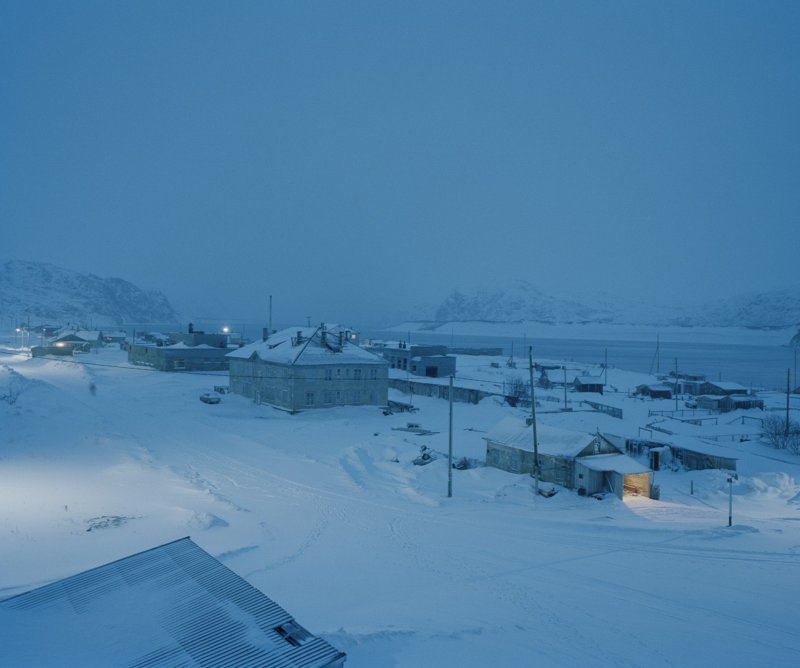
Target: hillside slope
(44, 292)
(522, 301)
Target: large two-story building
(309, 367)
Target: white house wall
(296, 388)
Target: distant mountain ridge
(45, 292)
(521, 301)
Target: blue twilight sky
(358, 159)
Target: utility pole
(565, 385)
(605, 366)
(675, 389)
(533, 425)
(269, 332)
(788, 383)
(730, 500)
(450, 444)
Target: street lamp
(731, 478)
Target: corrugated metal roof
(515, 433)
(173, 605)
(617, 463)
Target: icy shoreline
(604, 332)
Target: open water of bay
(759, 366)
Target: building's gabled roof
(314, 346)
(82, 335)
(744, 398)
(727, 386)
(618, 463)
(515, 433)
(589, 380)
(656, 387)
(173, 605)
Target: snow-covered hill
(522, 301)
(44, 292)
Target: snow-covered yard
(325, 513)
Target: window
(293, 633)
(373, 373)
(357, 374)
(328, 374)
(309, 398)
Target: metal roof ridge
(95, 568)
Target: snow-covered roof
(657, 387)
(701, 446)
(589, 380)
(314, 346)
(199, 346)
(515, 433)
(617, 463)
(727, 386)
(171, 605)
(84, 334)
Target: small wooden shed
(655, 391)
(616, 473)
(588, 384)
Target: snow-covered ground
(325, 513)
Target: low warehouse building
(655, 391)
(575, 460)
(588, 384)
(179, 351)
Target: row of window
(330, 398)
(358, 374)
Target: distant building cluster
(180, 351)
